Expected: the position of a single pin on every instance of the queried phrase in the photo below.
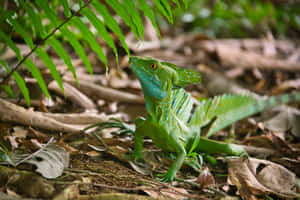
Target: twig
(101, 141)
(35, 153)
(10, 112)
(74, 95)
(98, 91)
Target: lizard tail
(211, 146)
(276, 100)
(231, 108)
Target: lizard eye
(153, 66)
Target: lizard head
(156, 73)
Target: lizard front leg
(138, 141)
(176, 165)
(138, 147)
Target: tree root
(26, 183)
(10, 112)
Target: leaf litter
(94, 169)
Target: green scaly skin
(170, 122)
(169, 109)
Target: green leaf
(11, 44)
(34, 17)
(56, 45)
(98, 24)
(110, 22)
(7, 90)
(22, 85)
(185, 2)
(66, 7)
(130, 7)
(20, 82)
(80, 3)
(118, 7)
(37, 75)
(148, 12)
(88, 35)
(164, 7)
(51, 66)
(48, 11)
(21, 31)
(177, 3)
(5, 155)
(77, 47)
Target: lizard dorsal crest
(185, 76)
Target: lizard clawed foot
(134, 156)
(245, 156)
(166, 177)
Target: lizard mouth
(143, 75)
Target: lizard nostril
(132, 59)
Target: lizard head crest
(156, 72)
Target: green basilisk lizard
(170, 122)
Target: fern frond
(164, 7)
(34, 17)
(50, 13)
(51, 66)
(65, 4)
(33, 28)
(77, 47)
(121, 11)
(100, 27)
(59, 49)
(148, 12)
(35, 72)
(11, 44)
(89, 38)
(21, 31)
(7, 90)
(20, 82)
(177, 2)
(130, 7)
(110, 22)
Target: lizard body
(170, 122)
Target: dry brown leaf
(172, 193)
(282, 119)
(259, 141)
(70, 192)
(269, 48)
(118, 79)
(205, 178)
(289, 163)
(20, 132)
(260, 177)
(113, 107)
(286, 85)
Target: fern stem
(6, 78)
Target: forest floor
(95, 167)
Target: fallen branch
(238, 58)
(10, 112)
(98, 91)
(26, 183)
(78, 118)
(259, 151)
(73, 95)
